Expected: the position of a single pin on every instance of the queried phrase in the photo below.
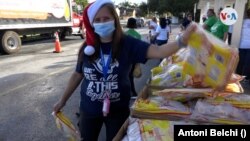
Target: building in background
(239, 5)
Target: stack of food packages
(197, 84)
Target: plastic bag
(210, 59)
(65, 125)
(223, 113)
(183, 94)
(168, 76)
(160, 105)
(157, 130)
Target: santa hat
(88, 17)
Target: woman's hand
(187, 33)
(58, 106)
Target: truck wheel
(11, 42)
(62, 36)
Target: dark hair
(189, 14)
(163, 22)
(131, 23)
(212, 11)
(116, 42)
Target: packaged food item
(237, 100)
(159, 105)
(222, 113)
(210, 59)
(180, 55)
(64, 124)
(184, 94)
(234, 88)
(169, 76)
(133, 130)
(155, 130)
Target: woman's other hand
(58, 106)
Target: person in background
(219, 29)
(131, 25)
(229, 34)
(187, 20)
(243, 67)
(162, 32)
(152, 25)
(103, 66)
(169, 22)
(211, 20)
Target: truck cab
(77, 28)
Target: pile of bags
(151, 129)
(197, 85)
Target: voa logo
(228, 16)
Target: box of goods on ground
(196, 85)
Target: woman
(186, 22)
(105, 87)
(162, 32)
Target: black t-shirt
(93, 85)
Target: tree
(83, 3)
(127, 4)
(173, 6)
(144, 8)
(179, 6)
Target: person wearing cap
(103, 66)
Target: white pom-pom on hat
(89, 50)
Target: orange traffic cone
(57, 44)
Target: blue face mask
(104, 29)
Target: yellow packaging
(210, 59)
(64, 124)
(155, 130)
